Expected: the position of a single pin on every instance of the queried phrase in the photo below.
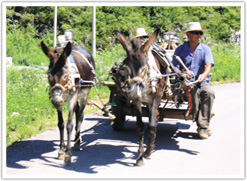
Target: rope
(99, 95)
(162, 76)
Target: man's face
(194, 36)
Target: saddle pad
(73, 66)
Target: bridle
(142, 76)
(69, 87)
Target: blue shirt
(202, 56)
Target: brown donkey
(68, 68)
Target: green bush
(26, 50)
(106, 59)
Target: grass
(227, 64)
(28, 109)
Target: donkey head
(58, 72)
(136, 62)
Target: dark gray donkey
(140, 92)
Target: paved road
(109, 154)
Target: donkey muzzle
(136, 91)
(57, 98)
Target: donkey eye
(143, 70)
(50, 77)
(65, 77)
(128, 70)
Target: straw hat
(194, 26)
(141, 32)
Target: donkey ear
(49, 53)
(151, 40)
(123, 42)
(67, 50)
(62, 59)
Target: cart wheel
(117, 110)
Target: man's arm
(207, 70)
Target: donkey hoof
(67, 158)
(139, 163)
(61, 154)
(147, 154)
(76, 147)
(141, 150)
(149, 151)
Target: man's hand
(202, 77)
(207, 70)
(189, 74)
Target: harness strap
(135, 79)
(90, 65)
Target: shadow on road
(99, 148)
(27, 150)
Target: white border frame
(119, 3)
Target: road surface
(109, 154)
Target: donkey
(68, 68)
(139, 90)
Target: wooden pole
(94, 32)
(55, 28)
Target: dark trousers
(202, 103)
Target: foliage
(27, 26)
(124, 19)
(108, 59)
(220, 21)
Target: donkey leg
(140, 131)
(61, 152)
(151, 141)
(69, 126)
(77, 139)
(79, 118)
(152, 129)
